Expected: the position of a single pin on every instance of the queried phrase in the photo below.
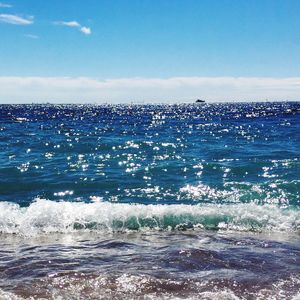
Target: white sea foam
(128, 286)
(45, 216)
(9, 296)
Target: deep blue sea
(190, 201)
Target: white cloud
(5, 5)
(83, 29)
(86, 30)
(16, 20)
(176, 89)
(32, 36)
(68, 24)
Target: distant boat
(200, 101)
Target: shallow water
(147, 202)
(192, 264)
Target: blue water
(173, 174)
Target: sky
(149, 50)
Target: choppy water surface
(170, 201)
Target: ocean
(187, 201)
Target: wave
(45, 216)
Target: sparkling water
(150, 201)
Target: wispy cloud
(16, 20)
(5, 5)
(176, 89)
(83, 29)
(68, 24)
(32, 36)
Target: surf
(46, 216)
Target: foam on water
(145, 287)
(45, 216)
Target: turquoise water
(174, 175)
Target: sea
(181, 201)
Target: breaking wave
(45, 216)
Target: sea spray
(45, 216)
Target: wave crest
(45, 216)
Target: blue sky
(154, 40)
